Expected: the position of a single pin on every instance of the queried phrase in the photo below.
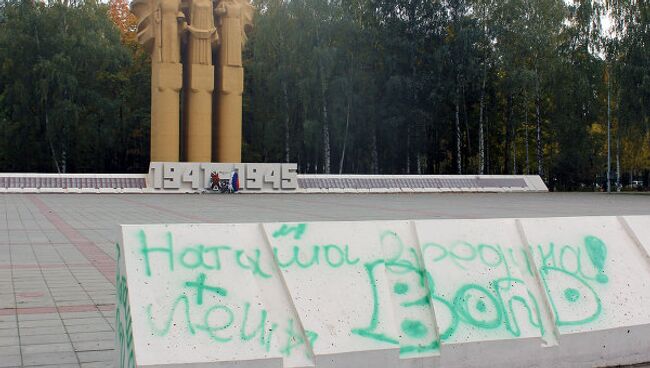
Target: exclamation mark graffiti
(597, 253)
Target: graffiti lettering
(486, 291)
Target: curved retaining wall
(547, 292)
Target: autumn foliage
(118, 11)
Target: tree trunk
(466, 118)
(609, 137)
(526, 135)
(345, 137)
(287, 136)
(408, 148)
(347, 114)
(374, 153)
(459, 157)
(64, 162)
(538, 117)
(487, 146)
(513, 125)
(327, 152)
(506, 156)
(618, 150)
(49, 142)
(326, 129)
(618, 161)
(481, 139)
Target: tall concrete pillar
(159, 27)
(158, 31)
(202, 35)
(229, 132)
(235, 19)
(166, 83)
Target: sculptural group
(197, 78)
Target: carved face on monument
(158, 28)
(237, 9)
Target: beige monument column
(158, 31)
(202, 36)
(235, 18)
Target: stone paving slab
(57, 251)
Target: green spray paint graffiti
(576, 302)
(501, 303)
(123, 327)
(305, 256)
(211, 258)
(597, 252)
(495, 304)
(403, 268)
(199, 257)
(219, 319)
(331, 255)
(285, 230)
(490, 305)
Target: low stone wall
(72, 183)
(547, 292)
(420, 183)
(184, 177)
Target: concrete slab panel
(335, 275)
(482, 293)
(567, 292)
(639, 228)
(597, 282)
(197, 295)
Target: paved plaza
(57, 252)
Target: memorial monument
(189, 33)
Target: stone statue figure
(158, 30)
(203, 33)
(235, 19)
(202, 39)
(209, 26)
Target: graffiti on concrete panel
(407, 278)
(499, 302)
(570, 275)
(489, 302)
(123, 324)
(224, 319)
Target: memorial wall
(546, 292)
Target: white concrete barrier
(553, 292)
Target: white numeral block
(273, 176)
(254, 177)
(192, 174)
(289, 176)
(172, 176)
(156, 175)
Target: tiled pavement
(57, 251)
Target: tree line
(354, 86)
